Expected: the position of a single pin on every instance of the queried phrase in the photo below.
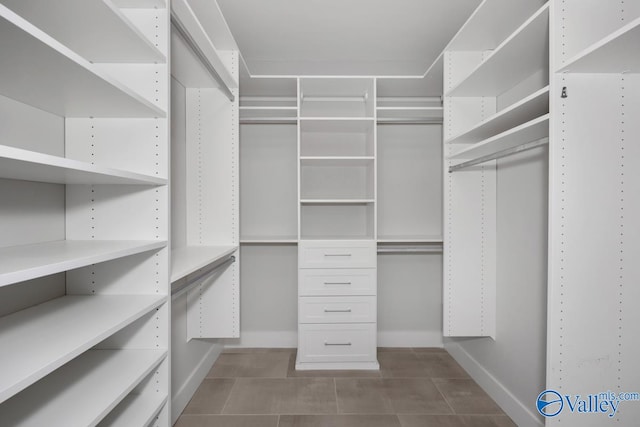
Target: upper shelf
(53, 78)
(26, 262)
(190, 259)
(82, 392)
(16, 163)
(103, 34)
(525, 52)
(526, 109)
(42, 338)
(533, 130)
(616, 53)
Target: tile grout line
(453, 411)
(335, 391)
(235, 380)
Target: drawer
(337, 343)
(337, 309)
(327, 282)
(337, 254)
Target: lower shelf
(82, 392)
(135, 410)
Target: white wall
(512, 367)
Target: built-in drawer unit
(337, 309)
(337, 254)
(339, 343)
(325, 282)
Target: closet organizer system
(346, 175)
(519, 83)
(85, 262)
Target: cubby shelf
(58, 80)
(189, 259)
(104, 34)
(16, 163)
(135, 410)
(610, 54)
(524, 53)
(25, 262)
(40, 339)
(533, 130)
(107, 376)
(522, 111)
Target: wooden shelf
(55, 79)
(40, 339)
(27, 165)
(103, 34)
(135, 410)
(615, 53)
(347, 161)
(25, 262)
(187, 260)
(522, 111)
(531, 131)
(410, 239)
(336, 201)
(83, 391)
(521, 55)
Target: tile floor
(414, 388)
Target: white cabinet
(84, 223)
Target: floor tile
(282, 396)
(293, 373)
(236, 350)
(339, 421)
(466, 397)
(414, 420)
(227, 421)
(389, 395)
(402, 365)
(421, 350)
(251, 365)
(210, 396)
(441, 365)
(395, 349)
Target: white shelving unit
(496, 104)
(189, 259)
(593, 174)
(91, 188)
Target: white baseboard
(521, 413)
(182, 397)
(264, 339)
(410, 339)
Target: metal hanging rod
(500, 154)
(411, 250)
(188, 284)
(335, 98)
(193, 45)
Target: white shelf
(25, 262)
(103, 34)
(524, 110)
(521, 55)
(616, 53)
(410, 239)
(338, 119)
(260, 240)
(533, 130)
(27, 165)
(40, 339)
(140, 4)
(409, 113)
(255, 113)
(336, 201)
(55, 79)
(347, 161)
(187, 260)
(83, 391)
(332, 237)
(135, 410)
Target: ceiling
(343, 37)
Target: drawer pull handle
(342, 344)
(348, 310)
(335, 255)
(338, 283)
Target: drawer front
(337, 309)
(327, 282)
(337, 343)
(337, 254)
